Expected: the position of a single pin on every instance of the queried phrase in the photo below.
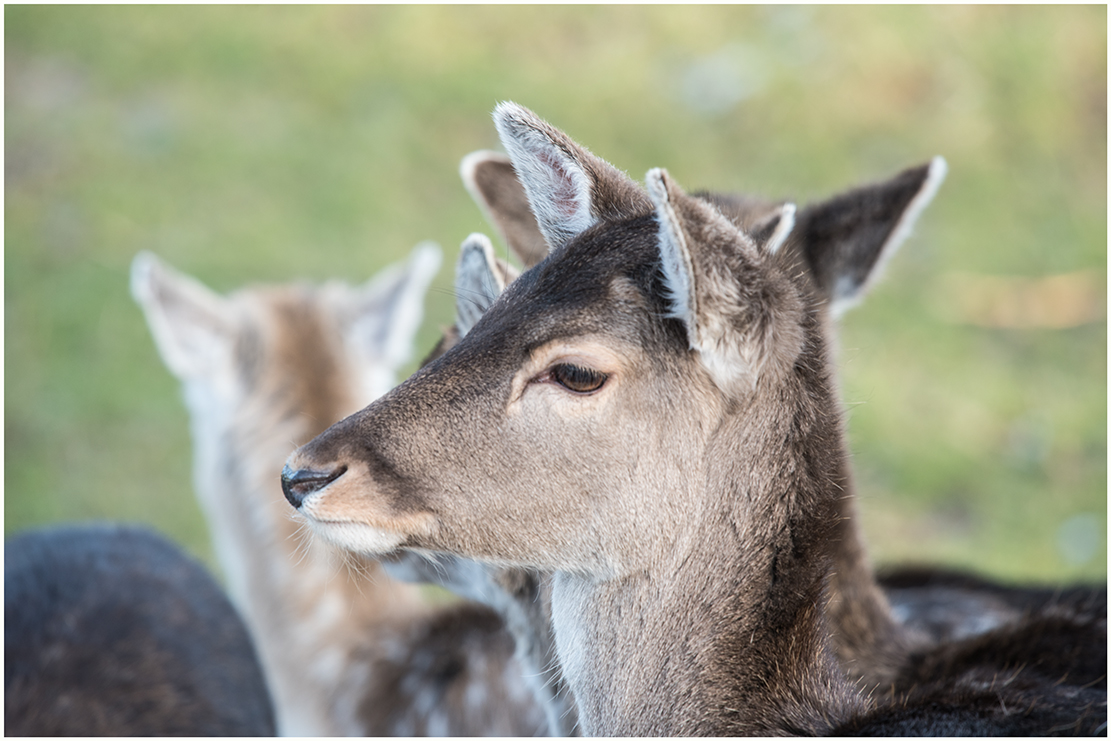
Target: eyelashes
(576, 378)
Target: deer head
(843, 243)
(576, 361)
(648, 412)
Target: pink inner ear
(563, 195)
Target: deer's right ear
(568, 188)
(490, 179)
(848, 239)
(741, 319)
(479, 279)
(191, 324)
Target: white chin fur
(356, 537)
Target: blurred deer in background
(348, 651)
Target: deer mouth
(357, 536)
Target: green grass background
(265, 144)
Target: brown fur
(651, 638)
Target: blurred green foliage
(264, 144)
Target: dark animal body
(111, 630)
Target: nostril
(296, 485)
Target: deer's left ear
(742, 315)
(479, 279)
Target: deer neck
(694, 659)
(312, 609)
(724, 633)
(870, 644)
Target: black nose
(296, 485)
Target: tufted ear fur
(848, 238)
(568, 188)
(741, 314)
(479, 279)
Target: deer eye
(576, 378)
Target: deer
(846, 239)
(936, 614)
(689, 558)
(347, 650)
(975, 628)
(535, 442)
(112, 630)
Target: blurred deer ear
(491, 181)
(479, 280)
(388, 309)
(191, 324)
(568, 188)
(742, 319)
(848, 238)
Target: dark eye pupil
(578, 379)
